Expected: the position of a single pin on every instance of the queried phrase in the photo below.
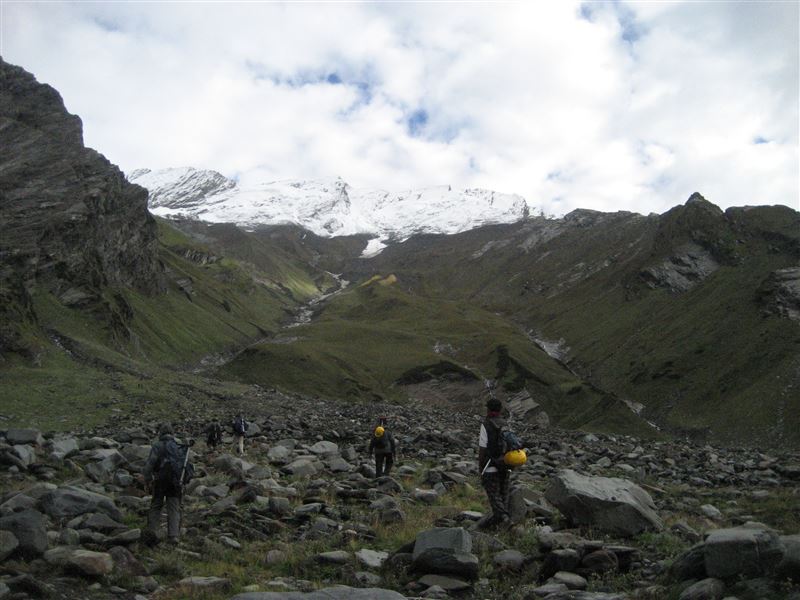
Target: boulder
(92, 564)
(509, 560)
(333, 593)
(789, 567)
(445, 551)
(610, 504)
(748, 551)
(24, 436)
(125, 563)
(30, 530)
(17, 503)
(8, 543)
(232, 465)
(69, 501)
(324, 448)
(202, 584)
(278, 454)
(302, 467)
(689, 565)
(25, 453)
(64, 447)
(372, 559)
(705, 589)
(448, 584)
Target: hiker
(239, 431)
(494, 473)
(165, 472)
(213, 434)
(383, 445)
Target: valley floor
(302, 510)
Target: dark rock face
(68, 218)
(780, 293)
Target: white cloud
(612, 106)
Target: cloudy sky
(604, 105)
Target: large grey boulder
(89, 563)
(749, 551)
(24, 436)
(8, 543)
(789, 567)
(30, 529)
(302, 467)
(324, 448)
(705, 589)
(103, 469)
(333, 593)
(64, 447)
(70, 501)
(610, 504)
(232, 465)
(445, 551)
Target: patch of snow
(374, 247)
(326, 207)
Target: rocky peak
(69, 220)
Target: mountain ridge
(326, 207)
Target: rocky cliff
(70, 223)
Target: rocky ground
(595, 516)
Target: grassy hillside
(127, 351)
(372, 341)
(711, 360)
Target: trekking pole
(187, 445)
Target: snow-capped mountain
(327, 208)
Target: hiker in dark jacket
(383, 445)
(213, 434)
(494, 474)
(161, 485)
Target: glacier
(328, 208)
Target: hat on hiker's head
(494, 405)
(165, 429)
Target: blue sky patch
(416, 122)
(758, 140)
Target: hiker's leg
(491, 484)
(389, 463)
(504, 479)
(241, 444)
(173, 517)
(154, 514)
(379, 464)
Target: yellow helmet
(379, 431)
(515, 458)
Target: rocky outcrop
(780, 293)
(68, 218)
(690, 265)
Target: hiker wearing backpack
(239, 431)
(213, 434)
(166, 472)
(494, 471)
(383, 445)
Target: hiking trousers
(240, 443)
(496, 486)
(173, 501)
(380, 458)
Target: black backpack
(239, 426)
(174, 461)
(501, 439)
